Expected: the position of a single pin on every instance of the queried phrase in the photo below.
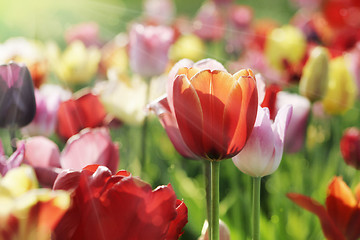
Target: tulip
(159, 11)
(341, 91)
(29, 52)
(17, 99)
(48, 99)
(223, 229)
(350, 147)
(295, 134)
(263, 151)
(90, 146)
(27, 212)
(341, 213)
(148, 50)
(14, 160)
(270, 99)
(127, 207)
(87, 33)
(77, 64)
(286, 43)
(314, 79)
(187, 109)
(77, 114)
(188, 46)
(208, 23)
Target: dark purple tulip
(17, 99)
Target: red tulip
(350, 147)
(208, 113)
(77, 114)
(270, 99)
(120, 206)
(340, 217)
(17, 99)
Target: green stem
(144, 129)
(207, 174)
(214, 200)
(12, 133)
(256, 208)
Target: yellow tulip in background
(188, 46)
(35, 212)
(314, 79)
(285, 43)
(342, 90)
(77, 64)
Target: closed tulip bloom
(340, 216)
(314, 79)
(127, 207)
(350, 147)
(148, 49)
(17, 99)
(208, 110)
(342, 91)
(28, 212)
(263, 151)
(76, 114)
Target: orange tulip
(210, 112)
(340, 217)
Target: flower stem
(207, 174)
(256, 208)
(214, 200)
(144, 129)
(12, 133)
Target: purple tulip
(17, 99)
(148, 50)
(263, 151)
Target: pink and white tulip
(148, 49)
(263, 151)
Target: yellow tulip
(341, 91)
(77, 64)
(285, 43)
(188, 46)
(35, 212)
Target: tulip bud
(341, 91)
(285, 43)
(350, 147)
(17, 99)
(314, 79)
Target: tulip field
(170, 119)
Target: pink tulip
(295, 135)
(208, 23)
(148, 49)
(90, 146)
(48, 100)
(159, 11)
(13, 161)
(87, 32)
(263, 151)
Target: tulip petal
(168, 121)
(209, 64)
(93, 110)
(176, 226)
(14, 160)
(330, 229)
(188, 113)
(240, 111)
(213, 89)
(340, 203)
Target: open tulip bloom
(340, 217)
(208, 114)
